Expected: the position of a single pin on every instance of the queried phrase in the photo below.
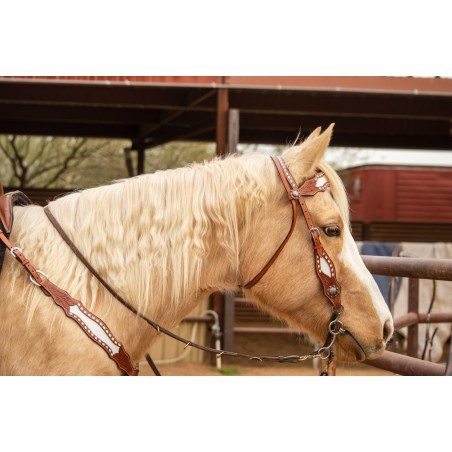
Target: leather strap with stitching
(331, 286)
(295, 193)
(93, 327)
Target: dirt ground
(195, 369)
(255, 345)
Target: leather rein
(100, 333)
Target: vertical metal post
(449, 362)
(216, 303)
(222, 121)
(233, 130)
(413, 306)
(217, 299)
(128, 161)
(140, 147)
(229, 314)
(228, 299)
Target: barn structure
(369, 112)
(394, 203)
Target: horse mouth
(352, 350)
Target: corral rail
(415, 269)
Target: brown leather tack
(295, 194)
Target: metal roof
(387, 112)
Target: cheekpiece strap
(324, 266)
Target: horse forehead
(322, 204)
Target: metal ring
(321, 352)
(314, 229)
(34, 280)
(14, 248)
(338, 311)
(332, 327)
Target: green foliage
(177, 154)
(228, 371)
(48, 162)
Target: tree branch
(66, 162)
(20, 161)
(39, 154)
(11, 161)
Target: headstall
(101, 334)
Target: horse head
(290, 289)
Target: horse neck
(148, 240)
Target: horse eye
(332, 230)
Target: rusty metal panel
(407, 232)
(387, 84)
(424, 195)
(399, 194)
(371, 193)
(188, 80)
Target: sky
(350, 157)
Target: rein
(102, 336)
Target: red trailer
(400, 203)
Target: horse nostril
(388, 330)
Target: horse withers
(166, 240)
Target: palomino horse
(163, 241)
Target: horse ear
(303, 160)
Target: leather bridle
(323, 264)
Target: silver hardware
(316, 230)
(15, 248)
(336, 327)
(34, 280)
(324, 352)
(333, 291)
(294, 194)
(256, 358)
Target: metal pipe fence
(414, 269)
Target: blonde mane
(154, 228)
(148, 234)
